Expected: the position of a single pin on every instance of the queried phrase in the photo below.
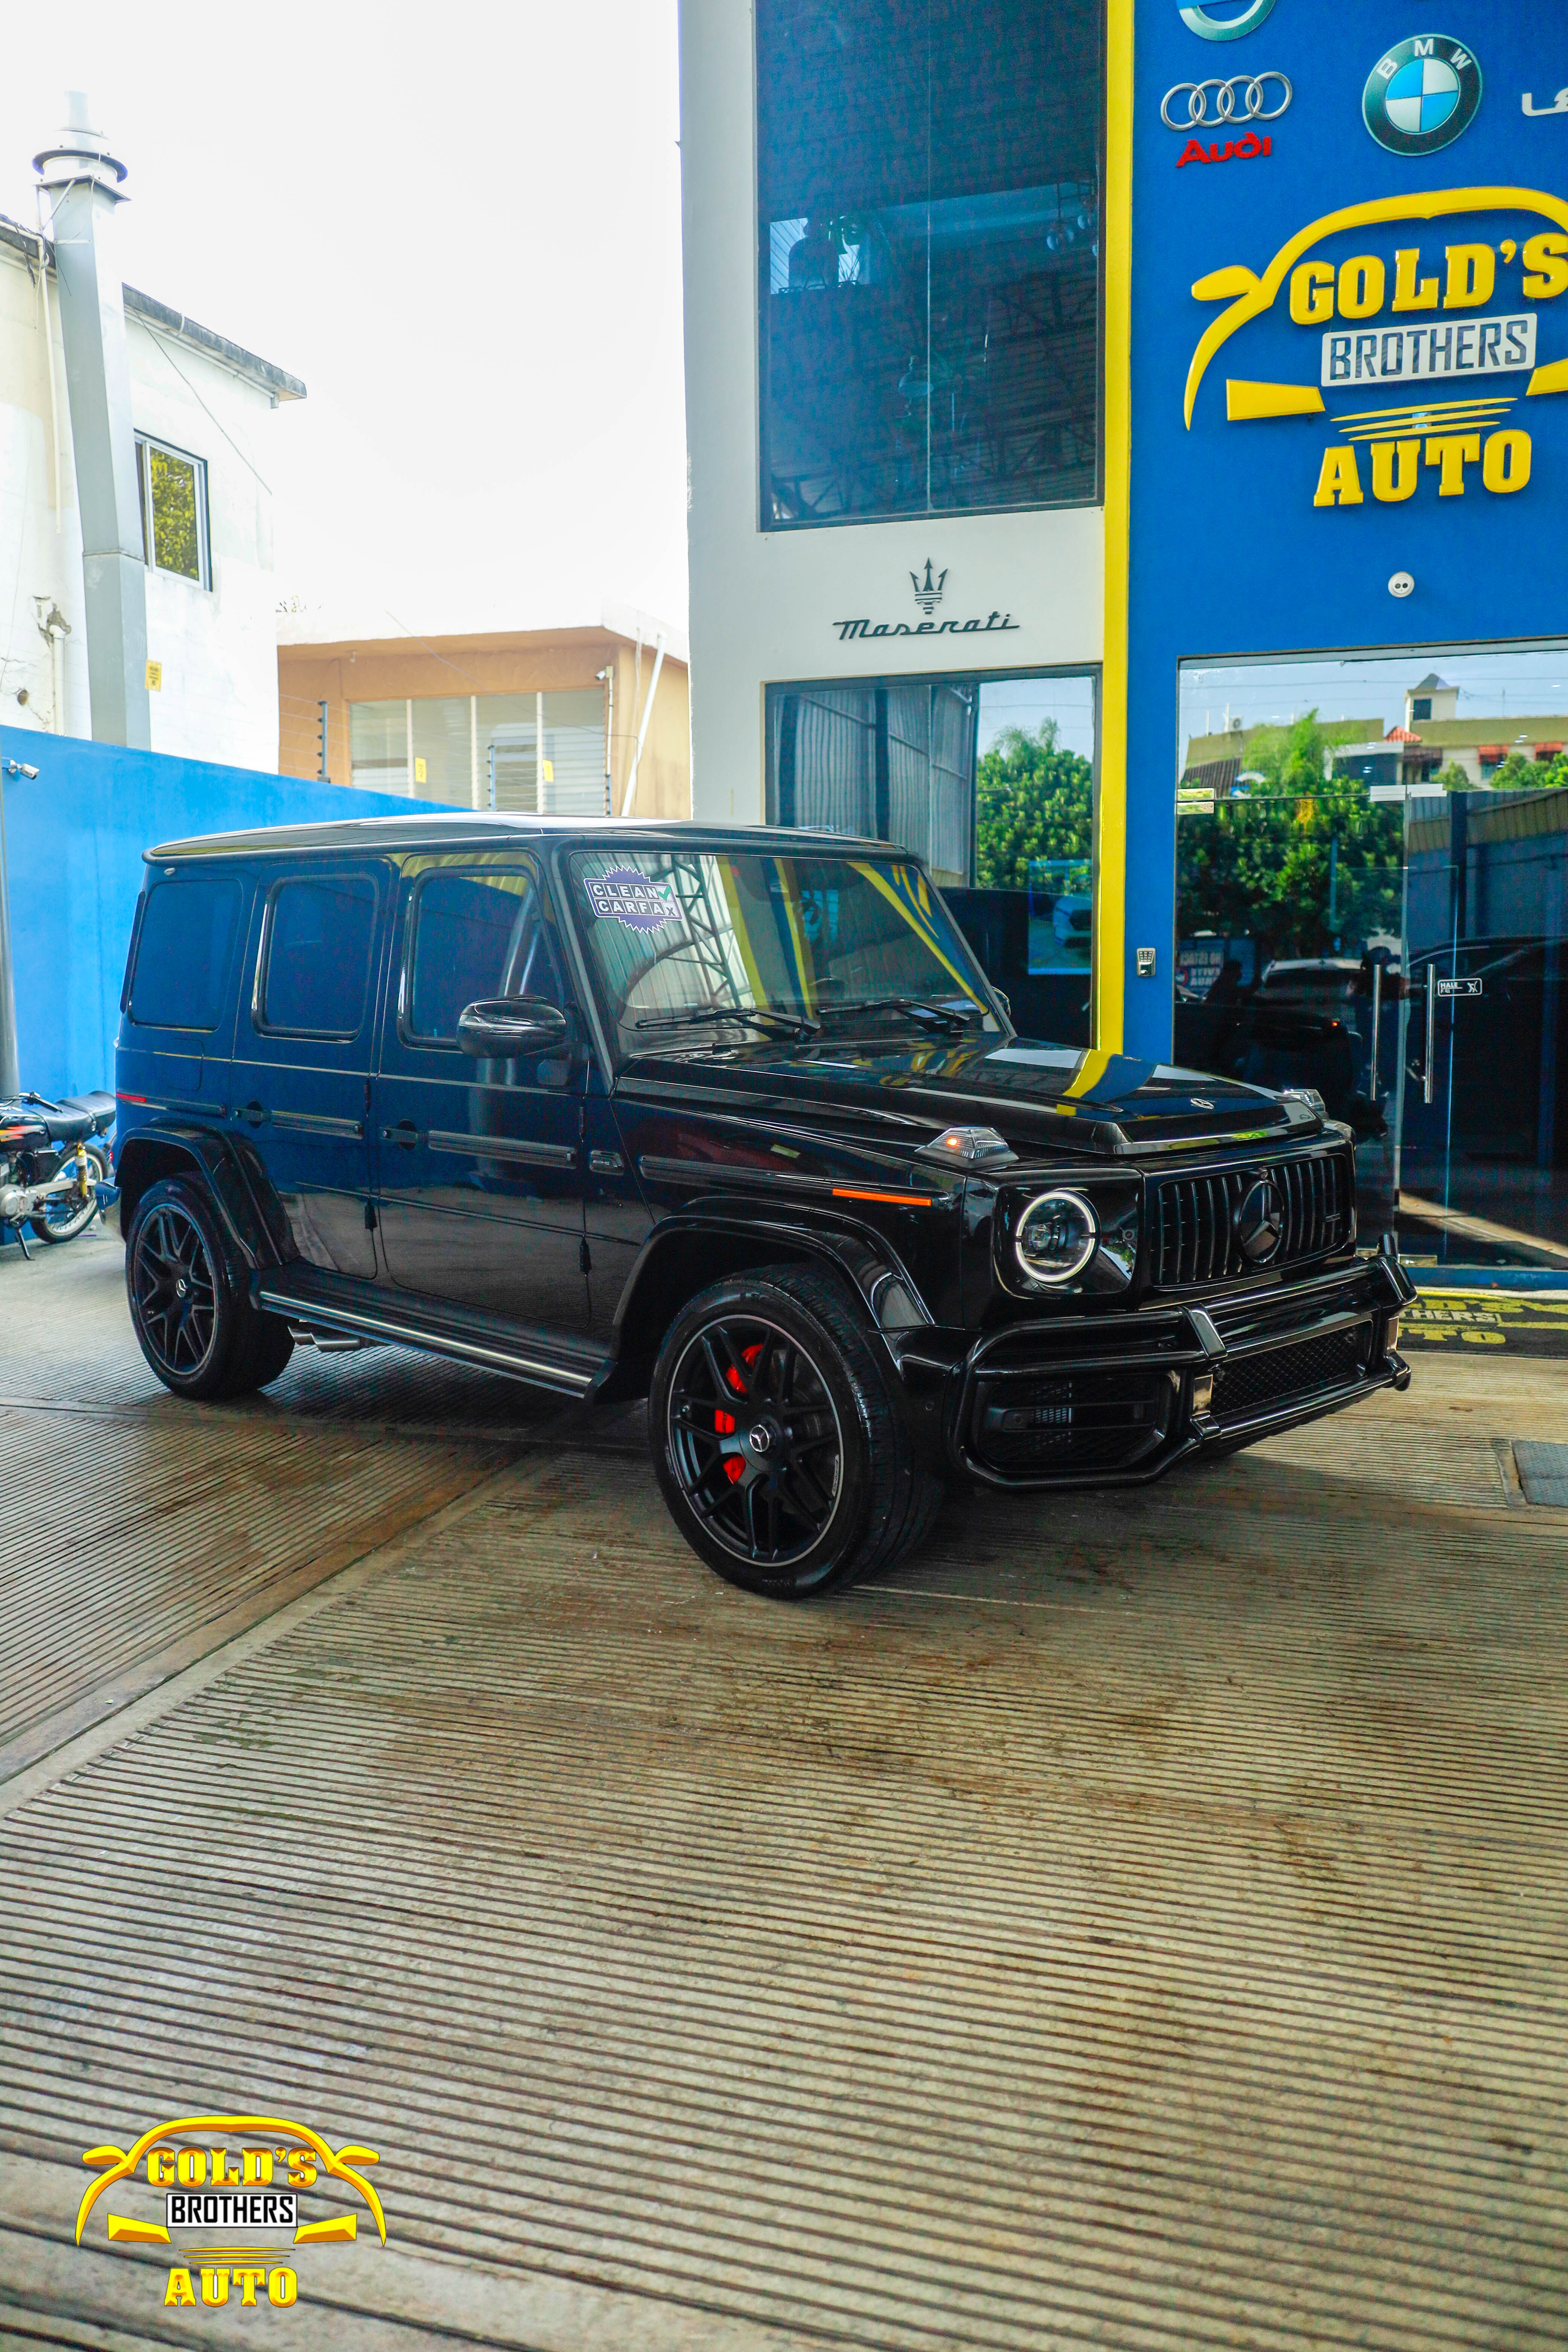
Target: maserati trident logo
(928, 592)
(1260, 1220)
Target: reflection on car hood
(1042, 1097)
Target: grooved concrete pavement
(1138, 1923)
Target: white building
(897, 538)
(826, 413)
(198, 408)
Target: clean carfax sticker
(637, 900)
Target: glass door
(1372, 903)
(1482, 1127)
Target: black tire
(190, 1309)
(271, 1347)
(53, 1224)
(834, 1490)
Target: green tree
(1034, 799)
(1305, 860)
(1518, 775)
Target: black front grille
(1191, 1223)
(1253, 1382)
(1071, 1422)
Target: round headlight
(1056, 1237)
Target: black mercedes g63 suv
(729, 1119)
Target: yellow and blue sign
(1346, 354)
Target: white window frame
(144, 486)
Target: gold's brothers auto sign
(1421, 347)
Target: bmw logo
(1422, 94)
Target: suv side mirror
(504, 1027)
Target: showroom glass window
(989, 782)
(927, 256)
(1372, 900)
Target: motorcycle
(53, 1160)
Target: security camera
(20, 768)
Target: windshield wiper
(918, 1008)
(762, 1017)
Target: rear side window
(186, 952)
(475, 936)
(317, 969)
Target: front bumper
(1117, 1401)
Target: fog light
(1056, 1237)
(1203, 1392)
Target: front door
(618, 1218)
(480, 1162)
(300, 1089)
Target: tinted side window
(186, 952)
(475, 936)
(317, 956)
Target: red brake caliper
(724, 1422)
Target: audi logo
(1228, 107)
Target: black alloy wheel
(189, 1307)
(783, 1459)
(756, 1441)
(174, 1293)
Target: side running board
(304, 1294)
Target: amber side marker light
(899, 1200)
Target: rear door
(480, 1162)
(300, 1089)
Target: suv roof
(464, 825)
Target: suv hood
(1044, 1098)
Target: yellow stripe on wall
(1110, 831)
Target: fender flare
(653, 1292)
(247, 1209)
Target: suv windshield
(694, 941)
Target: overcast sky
(461, 226)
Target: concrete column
(83, 182)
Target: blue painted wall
(75, 840)
(1231, 555)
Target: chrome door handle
(404, 1132)
(254, 1114)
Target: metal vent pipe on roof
(83, 183)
